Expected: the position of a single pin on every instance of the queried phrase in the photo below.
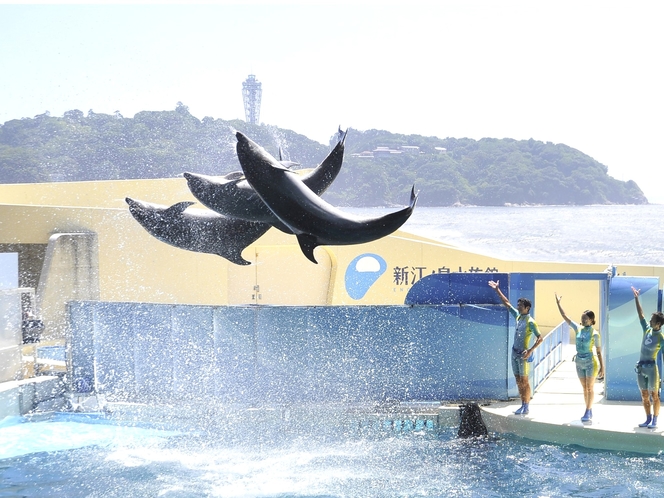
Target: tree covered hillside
(379, 167)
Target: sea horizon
(608, 234)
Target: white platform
(555, 417)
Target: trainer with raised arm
(646, 369)
(588, 366)
(526, 327)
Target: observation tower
(251, 94)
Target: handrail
(548, 355)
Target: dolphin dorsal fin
(286, 163)
(307, 244)
(179, 207)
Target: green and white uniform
(586, 339)
(526, 327)
(646, 368)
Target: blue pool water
(82, 456)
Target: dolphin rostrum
(197, 230)
(314, 221)
(232, 195)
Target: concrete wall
(254, 355)
(10, 318)
(18, 397)
(70, 272)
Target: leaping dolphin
(233, 196)
(286, 162)
(197, 230)
(314, 221)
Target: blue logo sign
(362, 273)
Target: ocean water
(589, 234)
(82, 456)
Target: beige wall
(577, 296)
(134, 266)
(109, 194)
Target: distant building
(385, 152)
(410, 149)
(364, 154)
(251, 95)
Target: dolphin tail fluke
(307, 244)
(413, 197)
(341, 135)
(326, 172)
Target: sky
(589, 74)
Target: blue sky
(585, 73)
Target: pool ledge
(43, 393)
(555, 417)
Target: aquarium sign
(408, 275)
(362, 273)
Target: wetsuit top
(586, 339)
(651, 343)
(525, 328)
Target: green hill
(379, 167)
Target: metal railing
(549, 355)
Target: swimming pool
(77, 455)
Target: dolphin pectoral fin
(236, 258)
(234, 176)
(242, 235)
(307, 244)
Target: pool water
(75, 455)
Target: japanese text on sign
(408, 275)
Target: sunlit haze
(587, 74)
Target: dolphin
(313, 221)
(233, 196)
(197, 230)
(286, 162)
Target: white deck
(555, 417)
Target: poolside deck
(555, 417)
